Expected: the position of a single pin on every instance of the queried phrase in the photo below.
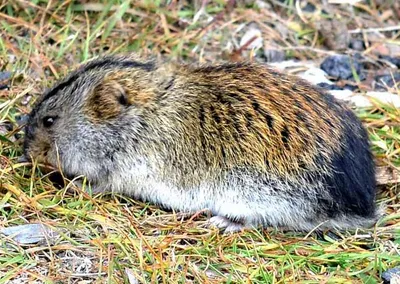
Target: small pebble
(357, 44)
(391, 59)
(5, 76)
(11, 58)
(131, 276)
(391, 276)
(389, 80)
(262, 4)
(340, 67)
(26, 99)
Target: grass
(106, 239)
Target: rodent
(254, 146)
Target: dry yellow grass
(106, 239)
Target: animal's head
(84, 120)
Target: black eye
(48, 121)
(122, 100)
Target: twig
(309, 49)
(372, 30)
(351, 2)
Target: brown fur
(263, 113)
(241, 139)
(251, 117)
(104, 101)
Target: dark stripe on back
(215, 116)
(285, 135)
(237, 97)
(202, 118)
(249, 120)
(258, 109)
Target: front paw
(226, 225)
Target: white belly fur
(229, 199)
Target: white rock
(386, 97)
(30, 233)
(315, 76)
(131, 276)
(363, 100)
(341, 94)
(290, 64)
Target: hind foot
(227, 225)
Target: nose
(28, 139)
(25, 157)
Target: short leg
(227, 225)
(97, 189)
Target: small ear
(120, 94)
(107, 100)
(164, 76)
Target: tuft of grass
(103, 236)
